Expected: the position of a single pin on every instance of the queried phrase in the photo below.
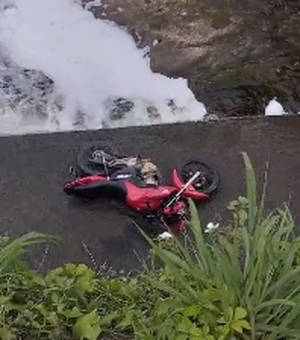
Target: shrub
(69, 302)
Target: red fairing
(174, 209)
(86, 180)
(190, 192)
(138, 197)
(180, 225)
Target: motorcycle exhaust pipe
(183, 189)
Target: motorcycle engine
(149, 172)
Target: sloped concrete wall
(33, 169)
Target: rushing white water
(92, 62)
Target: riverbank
(235, 56)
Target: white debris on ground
(164, 236)
(210, 227)
(274, 108)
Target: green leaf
(184, 326)
(42, 309)
(230, 313)
(7, 333)
(240, 325)
(192, 311)
(240, 313)
(196, 332)
(221, 320)
(242, 215)
(245, 324)
(251, 192)
(52, 318)
(237, 327)
(205, 329)
(73, 313)
(87, 327)
(163, 306)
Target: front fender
(190, 192)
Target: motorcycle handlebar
(182, 190)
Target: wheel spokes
(205, 178)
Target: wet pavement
(34, 168)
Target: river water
(62, 69)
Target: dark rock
(119, 108)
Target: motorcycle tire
(84, 167)
(190, 168)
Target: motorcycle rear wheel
(89, 162)
(209, 180)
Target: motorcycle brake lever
(72, 171)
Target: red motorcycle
(101, 172)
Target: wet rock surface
(236, 55)
(18, 84)
(28, 93)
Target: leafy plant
(243, 282)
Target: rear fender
(96, 186)
(190, 192)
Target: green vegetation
(239, 282)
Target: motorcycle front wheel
(92, 159)
(209, 180)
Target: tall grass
(11, 251)
(243, 281)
